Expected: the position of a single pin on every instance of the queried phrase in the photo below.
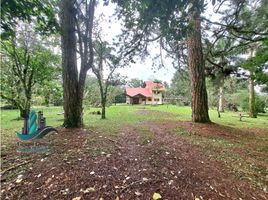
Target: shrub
(259, 104)
(8, 107)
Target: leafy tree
(92, 87)
(41, 11)
(25, 62)
(257, 66)
(51, 91)
(259, 103)
(234, 87)
(108, 62)
(253, 35)
(181, 86)
(260, 63)
(120, 96)
(247, 27)
(220, 65)
(115, 94)
(135, 83)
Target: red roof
(146, 90)
(154, 86)
(138, 91)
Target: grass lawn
(227, 118)
(124, 114)
(120, 115)
(241, 146)
(117, 116)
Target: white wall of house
(127, 99)
(149, 100)
(140, 100)
(157, 98)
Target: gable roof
(138, 91)
(154, 85)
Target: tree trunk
(24, 112)
(72, 98)
(197, 73)
(252, 108)
(47, 100)
(221, 95)
(103, 98)
(103, 112)
(26, 107)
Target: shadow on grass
(17, 119)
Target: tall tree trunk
(24, 112)
(103, 111)
(221, 95)
(72, 99)
(252, 108)
(197, 72)
(103, 96)
(25, 109)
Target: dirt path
(87, 165)
(198, 175)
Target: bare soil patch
(88, 165)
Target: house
(150, 93)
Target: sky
(141, 69)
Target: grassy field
(227, 118)
(118, 116)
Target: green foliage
(41, 11)
(135, 83)
(50, 92)
(260, 103)
(149, 20)
(26, 61)
(180, 88)
(213, 96)
(259, 63)
(221, 62)
(115, 94)
(92, 92)
(120, 95)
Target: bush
(8, 107)
(232, 107)
(58, 101)
(259, 104)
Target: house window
(156, 99)
(149, 99)
(156, 92)
(143, 99)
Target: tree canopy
(41, 11)
(26, 61)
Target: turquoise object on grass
(32, 124)
(35, 132)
